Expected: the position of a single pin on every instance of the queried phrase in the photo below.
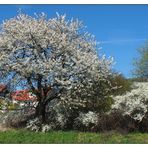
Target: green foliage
(123, 85)
(105, 105)
(55, 137)
(100, 105)
(101, 100)
(8, 105)
(13, 106)
(138, 79)
(141, 63)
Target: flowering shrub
(133, 103)
(88, 118)
(86, 121)
(58, 115)
(46, 128)
(36, 125)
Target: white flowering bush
(46, 128)
(133, 103)
(88, 118)
(34, 124)
(58, 115)
(86, 121)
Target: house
(23, 95)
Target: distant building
(23, 95)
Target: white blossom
(58, 50)
(135, 102)
(46, 128)
(34, 124)
(87, 118)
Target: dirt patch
(3, 128)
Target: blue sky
(120, 29)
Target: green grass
(23, 136)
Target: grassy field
(23, 136)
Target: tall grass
(57, 137)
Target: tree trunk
(40, 111)
(41, 107)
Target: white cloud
(121, 41)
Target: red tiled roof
(23, 95)
(26, 95)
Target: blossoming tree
(53, 53)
